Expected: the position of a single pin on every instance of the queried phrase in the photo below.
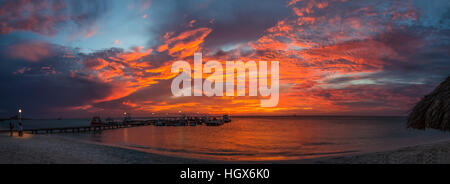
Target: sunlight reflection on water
(272, 138)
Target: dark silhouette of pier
(81, 129)
(166, 121)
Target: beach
(43, 149)
(432, 153)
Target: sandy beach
(433, 153)
(42, 149)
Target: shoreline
(428, 153)
(43, 149)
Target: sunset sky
(340, 57)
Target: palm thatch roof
(433, 111)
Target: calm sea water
(265, 138)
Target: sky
(64, 58)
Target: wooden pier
(87, 128)
(166, 121)
(82, 129)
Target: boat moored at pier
(226, 119)
(214, 122)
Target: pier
(161, 121)
(82, 129)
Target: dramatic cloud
(47, 17)
(46, 88)
(368, 57)
(184, 44)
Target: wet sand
(43, 149)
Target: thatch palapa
(433, 111)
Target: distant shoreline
(42, 149)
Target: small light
(20, 110)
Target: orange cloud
(186, 43)
(313, 47)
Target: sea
(260, 138)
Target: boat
(197, 121)
(192, 123)
(159, 123)
(214, 122)
(96, 121)
(203, 120)
(226, 119)
(180, 122)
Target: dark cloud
(418, 57)
(422, 56)
(46, 17)
(232, 21)
(46, 87)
